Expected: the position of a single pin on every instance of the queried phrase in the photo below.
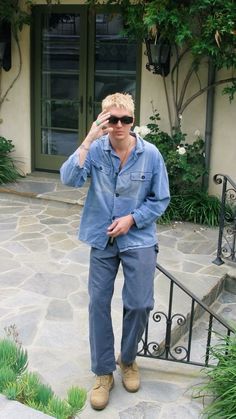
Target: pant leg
(104, 265)
(139, 270)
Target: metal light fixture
(158, 53)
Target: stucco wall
(16, 113)
(223, 153)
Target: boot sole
(129, 390)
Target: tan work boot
(130, 375)
(100, 392)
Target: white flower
(143, 130)
(136, 129)
(197, 133)
(181, 150)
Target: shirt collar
(139, 144)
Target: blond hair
(119, 100)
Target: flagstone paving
(43, 291)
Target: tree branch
(168, 104)
(184, 87)
(203, 90)
(174, 85)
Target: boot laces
(102, 381)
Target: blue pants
(137, 294)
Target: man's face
(121, 127)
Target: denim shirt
(140, 188)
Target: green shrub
(13, 356)
(185, 162)
(7, 375)
(221, 385)
(16, 383)
(8, 170)
(186, 166)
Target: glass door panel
(60, 56)
(60, 83)
(115, 59)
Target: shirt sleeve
(158, 198)
(72, 174)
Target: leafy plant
(186, 166)
(196, 207)
(13, 356)
(17, 383)
(7, 375)
(221, 385)
(8, 170)
(185, 162)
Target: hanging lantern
(158, 54)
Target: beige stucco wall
(153, 95)
(223, 154)
(16, 114)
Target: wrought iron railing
(226, 247)
(182, 339)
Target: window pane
(115, 58)
(58, 142)
(108, 84)
(63, 115)
(61, 42)
(60, 83)
(60, 86)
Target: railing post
(218, 261)
(234, 239)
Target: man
(128, 192)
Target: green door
(78, 59)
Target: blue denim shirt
(140, 188)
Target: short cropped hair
(119, 100)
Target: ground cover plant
(221, 384)
(8, 170)
(17, 383)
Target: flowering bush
(143, 130)
(185, 162)
(185, 165)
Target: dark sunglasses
(123, 119)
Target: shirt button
(143, 177)
(100, 167)
(117, 194)
(113, 218)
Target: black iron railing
(181, 339)
(227, 222)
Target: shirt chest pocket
(101, 167)
(141, 176)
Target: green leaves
(17, 383)
(13, 356)
(221, 385)
(8, 170)
(185, 162)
